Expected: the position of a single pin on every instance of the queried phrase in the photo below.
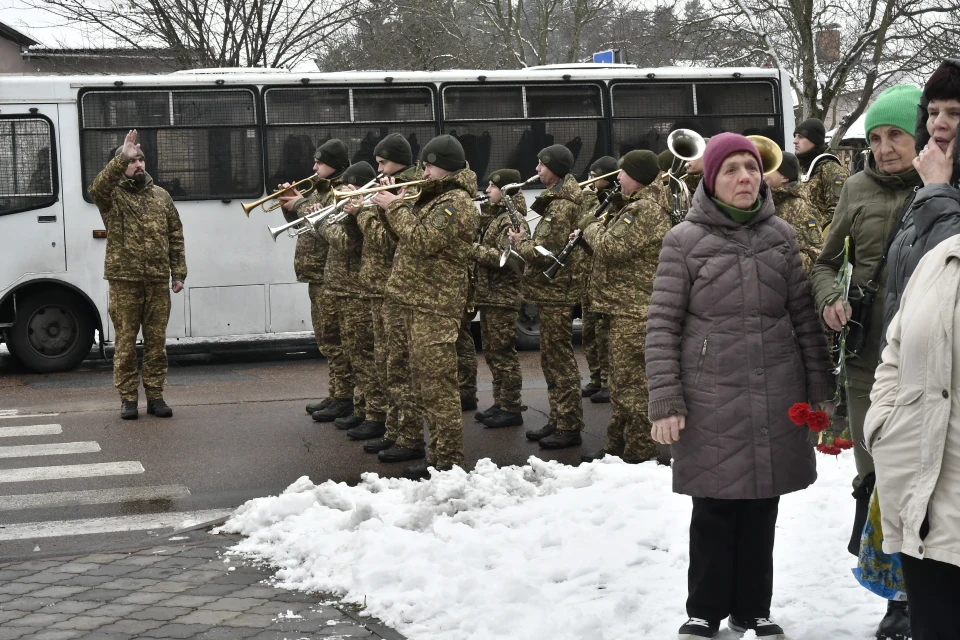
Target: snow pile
(545, 551)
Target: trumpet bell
(511, 260)
(686, 144)
(770, 153)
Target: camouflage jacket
(591, 200)
(496, 287)
(435, 248)
(626, 251)
(824, 189)
(560, 208)
(310, 257)
(793, 206)
(144, 233)
(341, 275)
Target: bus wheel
(53, 332)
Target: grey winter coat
(733, 342)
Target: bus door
(31, 211)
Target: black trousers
(933, 593)
(731, 558)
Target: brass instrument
(310, 222)
(686, 146)
(513, 186)
(247, 208)
(409, 196)
(598, 178)
(374, 190)
(770, 154)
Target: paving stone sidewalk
(179, 589)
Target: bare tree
(212, 33)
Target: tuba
(770, 154)
(686, 146)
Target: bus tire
(528, 327)
(53, 331)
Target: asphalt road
(75, 478)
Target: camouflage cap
(641, 165)
(333, 153)
(557, 158)
(394, 148)
(503, 177)
(604, 165)
(445, 152)
(358, 174)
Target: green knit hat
(394, 148)
(333, 153)
(503, 177)
(604, 165)
(790, 167)
(641, 165)
(445, 152)
(359, 174)
(896, 107)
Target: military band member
(309, 261)
(792, 204)
(828, 175)
(560, 207)
(145, 252)
(429, 283)
(498, 299)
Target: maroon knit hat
(719, 149)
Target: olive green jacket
(310, 257)
(496, 287)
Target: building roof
(12, 34)
(45, 52)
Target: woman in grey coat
(733, 341)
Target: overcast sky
(44, 27)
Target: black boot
(159, 408)
(400, 454)
(368, 430)
(376, 446)
(896, 623)
(418, 471)
(338, 408)
(319, 406)
(480, 416)
(561, 440)
(596, 455)
(128, 410)
(862, 495)
(601, 397)
(504, 419)
(346, 423)
(468, 404)
(589, 390)
(542, 432)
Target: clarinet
(551, 273)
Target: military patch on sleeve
(440, 219)
(448, 211)
(812, 224)
(547, 218)
(838, 182)
(628, 219)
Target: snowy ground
(545, 551)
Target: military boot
(468, 404)
(378, 445)
(368, 430)
(159, 408)
(400, 454)
(128, 410)
(601, 397)
(346, 423)
(596, 455)
(319, 406)
(419, 471)
(504, 419)
(542, 432)
(561, 439)
(589, 390)
(337, 408)
(480, 416)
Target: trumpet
(310, 222)
(340, 215)
(507, 188)
(250, 206)
(374, 190)
(770, 154)
(598, 178)
(686, 146)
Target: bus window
(507, 125)
(27, 169)
(201, 144)
(301, 119)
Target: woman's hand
(933, 165)
(667, 430)
(837, 315)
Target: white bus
(214, 138)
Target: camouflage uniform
(596, 326)
(626, 251)
(498, 297)
(342, 281)
(309, 261)
(466, 349)
(794, 207)
(825, 185)
(429, 283)
(391, 349)
(145, 250)
(560, 208)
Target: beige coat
(913, 426)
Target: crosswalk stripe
(26, 416)
(49, 449)
(28, 474)
(31, 430)
(98, 496)
(59, 528)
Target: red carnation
(818, 421)
(829, 449)
(843, 443)
(799, 413)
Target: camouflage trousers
(560, 368)
(498, 331)
(356, 331)
(326, 329)
(433, 366)
(467, 357)
(404, 408)
(596, 345)
(628, 433)
(132, 306)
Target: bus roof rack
(579, 65)
(208, 71)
